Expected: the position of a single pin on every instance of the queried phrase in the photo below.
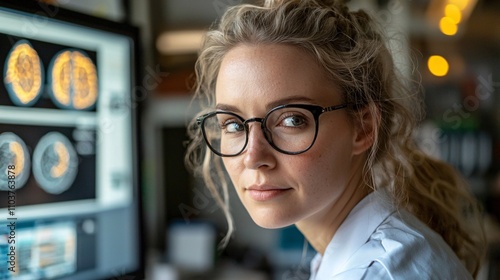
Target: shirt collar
(355, 231)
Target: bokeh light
(453, 12)
(438, 65)
(448, 26)
(461, 4)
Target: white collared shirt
(377, 242)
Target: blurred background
(452, 47)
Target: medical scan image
(73, 80)
(55, 163)
(23, 74)
(14, 153)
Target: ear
(366, 123)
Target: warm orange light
(461, 4)
(448, 26)
(438, 65)
(453, 12)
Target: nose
(259, 153)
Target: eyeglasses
(290, 129)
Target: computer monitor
(69, 199)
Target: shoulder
(402, 247)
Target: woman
(306, 115)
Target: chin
(271, 221)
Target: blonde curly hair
(351, 49)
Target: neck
(320, 228)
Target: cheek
(233, 168)
(328, 162)
(334, 144)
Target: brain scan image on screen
(23, 74)
(73, 80)
(55, 163)
(13, 152)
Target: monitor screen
(69, 203)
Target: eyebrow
(269, 106)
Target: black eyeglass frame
(314, 109)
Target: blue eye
(293, 121)
(232, 126)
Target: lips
(266, 193)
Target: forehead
(261, 74)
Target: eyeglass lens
(291, 130)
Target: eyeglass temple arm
(200, 119)
(337, 107)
